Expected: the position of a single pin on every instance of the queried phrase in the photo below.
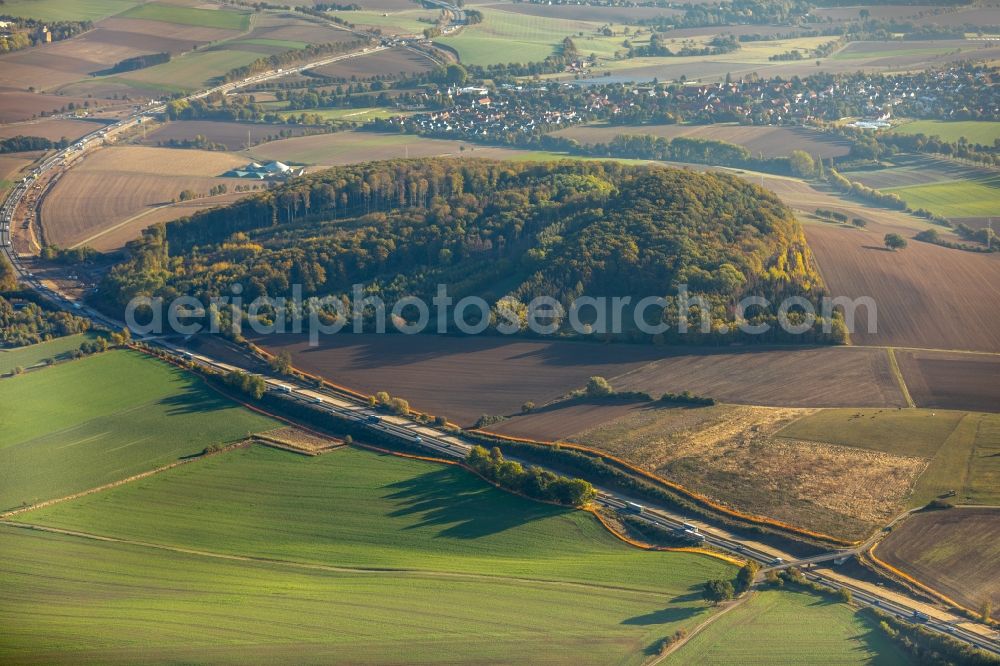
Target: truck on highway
(283, 388)
(918, 616)
(632, 507)
(373, 419)
(694, 535)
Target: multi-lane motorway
(450, 445)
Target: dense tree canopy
(499, 230)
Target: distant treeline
(20, 144)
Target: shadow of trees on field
(460, 506)
(663, 616)
(193, 400)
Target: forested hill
(500, 230)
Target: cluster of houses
(963, 91)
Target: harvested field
(291, 27)
(951, 381)
(52, 129)
(392, 61)
(564, 419)
(956, 552)
(16, 105)
(461, 378)
(115, 236)
(926, 295)
(117, 183)
(771, 141)
(11, 165)
(957, 446)
(353, 147)
(802, 377)
(973, 15)
(875, 11)
(232, 135)
(731, 454)
(600, 14)
(464, 378)
(411, 21)
(915, 53)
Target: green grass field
(904, 432)
(76, 600)
(85, 423)
(66, 10)
(405, 21)
(371, 559)
(505, 37)
(962, 448)
(975, 131)
(57, 349)
(283, 44)
(274, 504)
(776, 628)
(960, 198)
(191, 70)
(354, 115)
(226, 19)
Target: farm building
(270, 171)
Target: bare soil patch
(926, 295)
(114, 184)
(816, 377)
(563, 420)
(956, 552)
(391, 61)
(731, 454)
(771, 141)
(53, 129)
(952, 381)
(16, 104)
(460, 377)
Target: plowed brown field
(926, 546)
(952, 381)
(771, 141)
(926, 295)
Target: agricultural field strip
(296, 564)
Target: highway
(446, 444)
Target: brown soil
(955, 551)
(771, 141)
(952, 381)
